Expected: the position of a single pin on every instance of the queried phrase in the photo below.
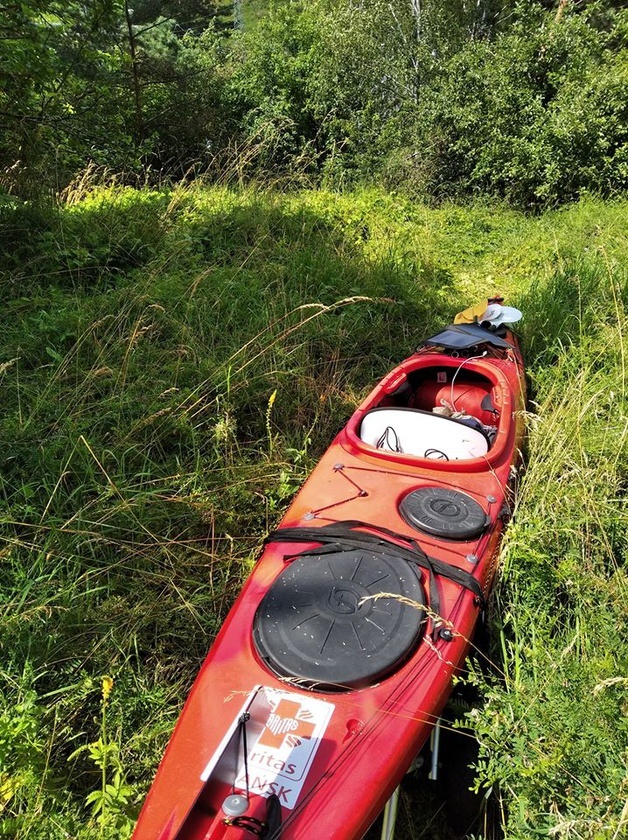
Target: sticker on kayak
(284, 731)
(281, 757)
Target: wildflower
(107, 687)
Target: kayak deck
(338, 655)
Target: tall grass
(173, 363)
(553, 732)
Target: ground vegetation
(174, 361)
(220, 223)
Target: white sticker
(282, 754)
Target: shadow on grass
(165, 388)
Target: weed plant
(172, 365)
(554, 730)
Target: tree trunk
(135, 71)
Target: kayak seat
(403, 395)
(421, 433)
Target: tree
(84, 83)
(53, 57)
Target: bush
(537, 116)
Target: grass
(561, 607)
(172, 365)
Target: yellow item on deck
(472, 314)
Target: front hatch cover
(317, 623)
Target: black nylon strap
(339, 536)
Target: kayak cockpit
(436, 408)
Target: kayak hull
(270, 716)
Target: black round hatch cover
(314, 625)
(444, 513)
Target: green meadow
(172, 364)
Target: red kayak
(337, 658)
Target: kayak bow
(337, 658)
